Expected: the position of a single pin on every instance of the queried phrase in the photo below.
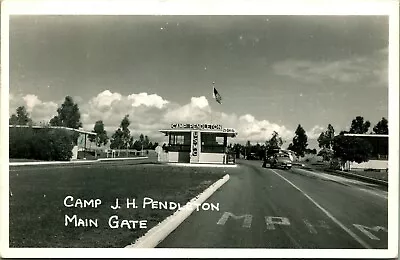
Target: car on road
(281, 160)
(251, 156)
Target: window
(213, 143)
(179, 139)
(219, 140)
(179, 142)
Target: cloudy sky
(273, 72)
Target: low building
(379, 157)
(198, 143)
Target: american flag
(216, 95)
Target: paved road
(273, 208)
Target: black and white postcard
(163, 128)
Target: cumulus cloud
(371, 70)
(31, 101)
(256, 130)
(105, 99)
(198, 110)
(147, 100)
(314, 132)
(39, 110)
(149, 113)
(112, 107)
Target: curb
(73, 162)
(158, 233)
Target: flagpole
(213, 98)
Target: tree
(237, 148)
(131, 142)
(121, 138)
(21, 118)
(381, 127)
(68, 115)
(137, 145)
(311, 151)
(40, 144)
(116, 139)
(146, 142)
(126, 134)
(101, 137)
(325, 139)
(350, 148)
(259, 151)
(142, 141)
(358, 126)
(299, 144)
(247, 149)
(326, 154)
(275, 142)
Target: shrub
(41, 144)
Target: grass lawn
(380, 175)
(37, 211)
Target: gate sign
(195, 147)
(195, 144)
(197, 126)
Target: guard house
(198, 143)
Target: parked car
(281, 160)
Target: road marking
(246, 223)
(272, 221)
(348, 231)
(365, 229)
(311, 228)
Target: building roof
(56, 127)
(229, 134)
(366, 135)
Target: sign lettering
(197, 126)
(366, 230)
(272, 221)
(229, 130)
(195, 144)
(246, 219)
(311, 228)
